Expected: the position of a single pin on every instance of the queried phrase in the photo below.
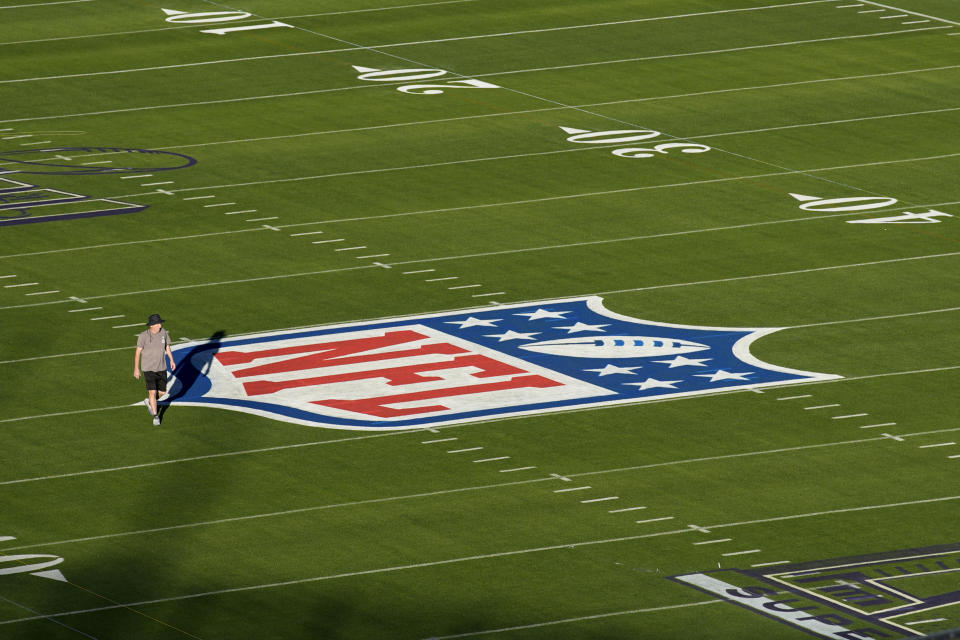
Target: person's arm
(136, 364)
(173, 365)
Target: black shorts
(156, 380)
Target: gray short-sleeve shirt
(154, 347)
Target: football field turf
(559, 212)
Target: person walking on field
(152, 345)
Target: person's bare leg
(153, 401)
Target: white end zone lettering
(885, 595)
(786, 609)
(387, 375)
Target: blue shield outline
(603, 357)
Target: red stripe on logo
(377, 406)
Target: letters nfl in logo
(479, 364)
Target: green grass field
(438, 177)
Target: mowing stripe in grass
(131, 242)
(429, 494)
(500, 73)
(427, 4)
(916, 13)
(474, 558)
(461, 39)
(671, 185)
(781, 273)
(243, 21)
(370, 266)
(598, 616)
(42, 4)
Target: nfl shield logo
(479, 364)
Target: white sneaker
(146, 403)
(156, 421)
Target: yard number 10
(214, 17)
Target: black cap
(155, 319)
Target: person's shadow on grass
(194, 364)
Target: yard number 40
(214, 17)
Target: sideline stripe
(499, 73)
(487, 556)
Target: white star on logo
(612, 369)
(680, 361)
(653, 383)
(540, 314)
(513, 335)
(475, 322)
(584, 327)
(724, 375)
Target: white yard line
(815, 324)
(597, 24)
(360, 267)
(710, 52)
(42, 4)
(465, 559)
(440, 120)
(230, 282)
(786, 172)
(815, 514)
(602, 104)
(822, 123)
(598, 616)
(915, 13)
(159, 463)
(783, 273)
(131, 242)
(886, 317)
(276, 514)
(499, 73)
(307, 15)
(764, 452)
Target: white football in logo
(614, 347)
